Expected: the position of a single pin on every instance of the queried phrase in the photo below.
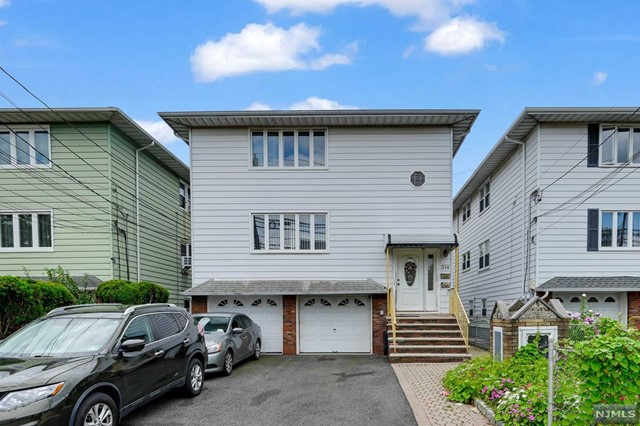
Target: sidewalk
(422, 385)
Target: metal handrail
(391, 306)
(457, 309)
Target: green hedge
(24, 300)
(130, 293)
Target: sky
(498, 56)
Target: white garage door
(266, 311)
(608, 304)
(335, 324)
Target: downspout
(524, 212)
(138, 278)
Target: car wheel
(194, 379)
(97, 410)
(227, 368)
(256, 351)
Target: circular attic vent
(418, 179)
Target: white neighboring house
(293, 212)
(561, 190)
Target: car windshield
(213, 324)
(60, 337)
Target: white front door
(410, 280)
(416, 280)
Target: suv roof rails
(148, 305)
(70, 307)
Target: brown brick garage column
(378, 322)
(633, 308)
(289, 325)
(198, 304)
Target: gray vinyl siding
(503, 225)
(82, 229)
(163, 224)
(365, 192)
(562, 237)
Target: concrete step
(427, 357)
(430, 349)
(428, 320)
(433, 341)
(425, 333)
(426, 326)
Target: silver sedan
(230, 338)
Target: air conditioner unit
(186, 262)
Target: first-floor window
(483, 260)
(25, 230)
(289, 232)
(466, 260)
(620, 229)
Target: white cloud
(311, 103)
(262, 48)
(159, 130)
(3, 23)
(36, 41)
(5, 3)
(599, 78)
(428, 12)
(460, 36)
(491, 67)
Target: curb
(486, 411)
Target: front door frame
(430, 299)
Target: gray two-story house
(554, 207)
(89, 190)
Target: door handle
(159, 352)
(185, 341)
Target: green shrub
(51, 295)
(61, 276)
(129, 293)
(18, 304)
(466, 381)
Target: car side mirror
(132, 345)
(237, 330)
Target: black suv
(94, 364)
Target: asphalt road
(290, 390)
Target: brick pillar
(289, 323)
(633, 308)
(378, 322)
(198, 304)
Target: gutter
(525, 264)
(138, 206)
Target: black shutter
(593, 134)
(593, 217)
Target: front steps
(426, 337)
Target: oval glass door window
(410, 268)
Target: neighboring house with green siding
(88, 189)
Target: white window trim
(466, 211)
(463, 269)
(615, 146)
(187, 196)
(499, 329)
(32, 152)
(614, 231)
(34, 227)
(483, 198)
(295, 167)
(485, 266)
(524, 332)
(297, 233)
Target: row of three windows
(22, 148)
(290, 232)
(289, 149)
(25, 231)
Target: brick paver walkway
(422, 384)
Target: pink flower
(444, 393)
(532, 417)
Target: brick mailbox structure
(515, 325)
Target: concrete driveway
(290, 390)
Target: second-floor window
(185, 196)
(25, 231)
(289, 149)
(619, 145)
(466, 211)
(25, 148)
(286, 232)
(466, 261)
(620, 229)
(484, 196)
(483, 259)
